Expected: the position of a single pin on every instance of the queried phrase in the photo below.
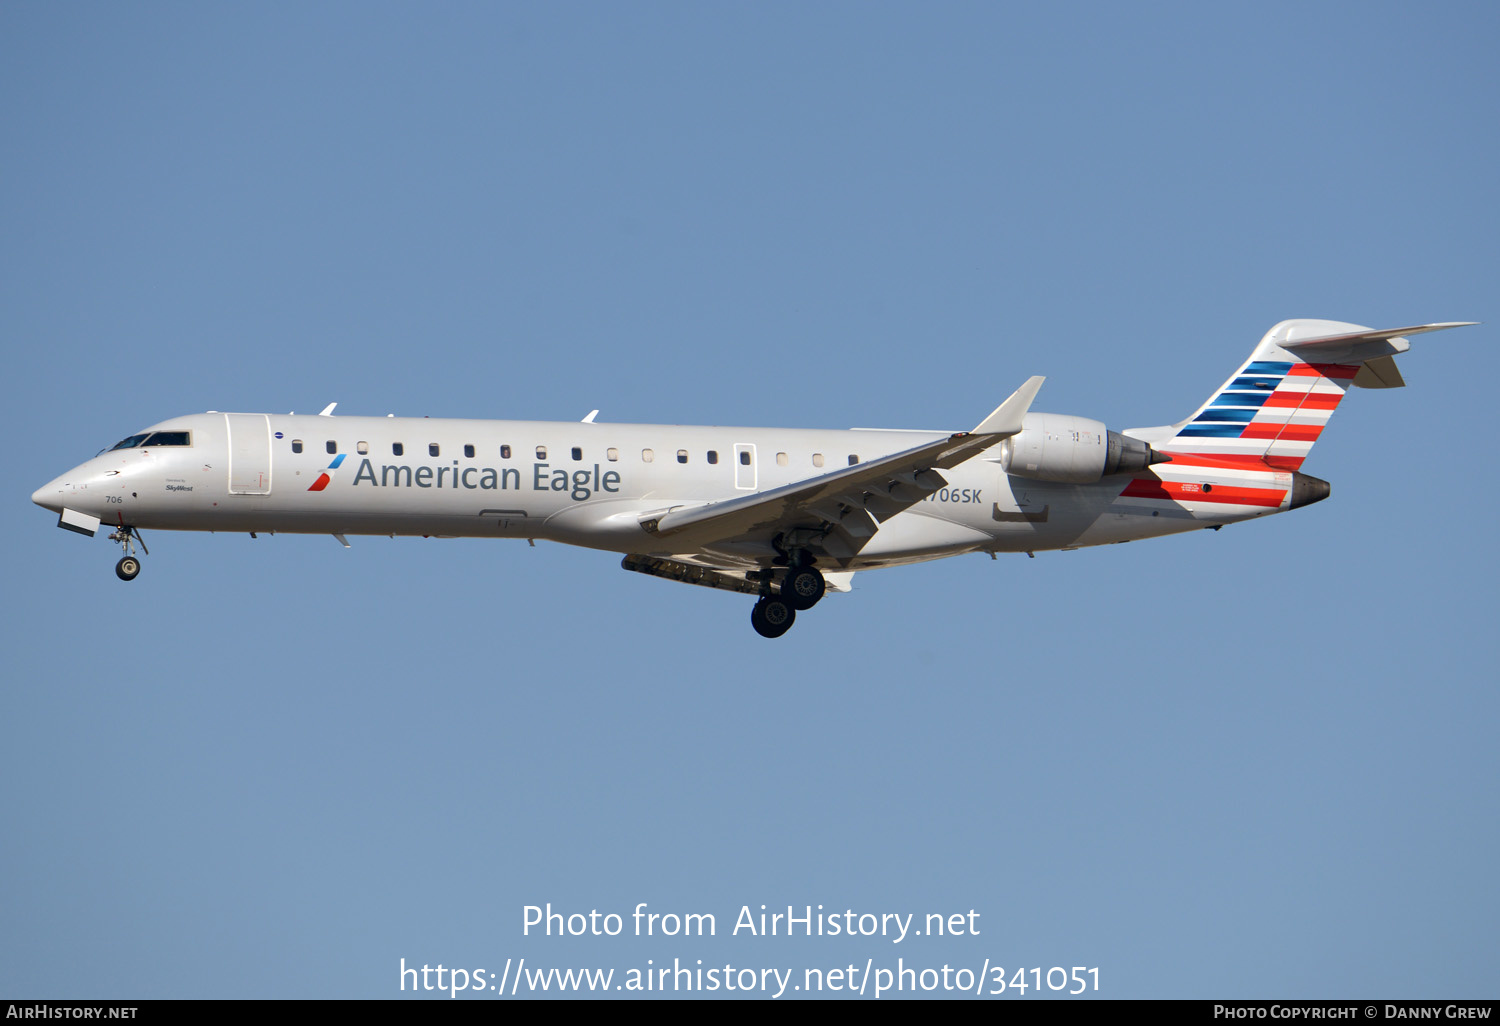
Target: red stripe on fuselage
(1235, 460)
(1184, 491)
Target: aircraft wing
(854, 499)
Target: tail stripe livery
(1276, 405)
(1245, 445)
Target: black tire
(127, 568)
(772, 617)
(803, 587)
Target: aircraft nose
(50, 495)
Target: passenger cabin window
(853, 459)
(432, 448)
(468, 452)
(681, 455)
(332, 447)
(745, 457)
(397, 449)
(541, 452)
(713, 457)
(781, 459)
(647, 455)
(817, 459)
(577, 453)
(505, 452)
(296, 445)
(363, 447)
(613, 454)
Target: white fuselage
(593, 485)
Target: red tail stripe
(1237, 460)
(1284, 432)
(1309, 400)
(1181, 491)
(1227, 460)
(1340, 371)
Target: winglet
(1008, 416)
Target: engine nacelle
(1074, 450)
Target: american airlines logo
(325, 478)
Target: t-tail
(1269, 413)
(1277, 404)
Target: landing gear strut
(128, 566)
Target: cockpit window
(168, 438)
(154, 438)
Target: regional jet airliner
(781, 514)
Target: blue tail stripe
(1240, 399)
(1212, 431)
(1232, 416)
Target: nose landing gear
(128, 567)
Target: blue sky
(1250, 763)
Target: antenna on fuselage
(328, 410)
(590, 418)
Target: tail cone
(1307, 490)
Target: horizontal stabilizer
(1333, 341)
(1372, 348)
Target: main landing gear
(128, 567)
(772, 617)
(801, 588)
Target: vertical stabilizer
(1277, 404)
